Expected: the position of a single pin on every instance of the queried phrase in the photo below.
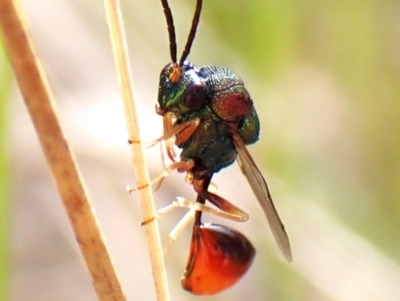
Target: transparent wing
(260, 189)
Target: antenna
(171, 30)
(192, 33)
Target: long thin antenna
(192, 33)
(171, 30)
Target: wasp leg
(177, 230)
(164, 164)
(184, 203)
(188, 217)
(168, 136)
(177, 134)
(186, 131)
(230, 211)
(169, 147)
(168, 125)
(181, 166)
(179, 203)
(182, 132)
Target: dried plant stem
(39, 101)
(118, 42)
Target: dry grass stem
(118, 42)
(39, 101)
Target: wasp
(209, 114)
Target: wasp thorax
(181, 89)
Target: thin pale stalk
(41, 106)
(119, 46)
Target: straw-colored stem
(39, 101)
(118, 42)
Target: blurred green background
(325, 79)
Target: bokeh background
(325, 79)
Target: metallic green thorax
(218, 97)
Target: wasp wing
(260, 189)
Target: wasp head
(181, 89)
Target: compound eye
(195, 96)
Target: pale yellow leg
(182, 166)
